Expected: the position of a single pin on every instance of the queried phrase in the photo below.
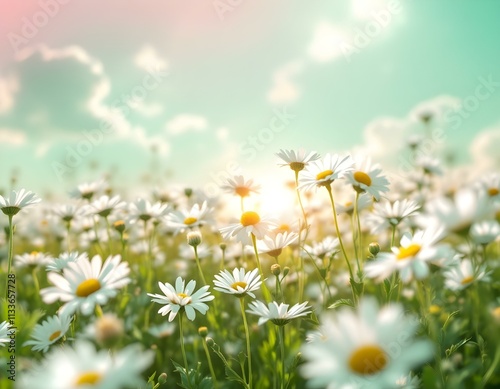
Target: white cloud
(12, 137)
(327, 42)
(284, 90)
(185, 123)
(484, 149)
(437, 107)
(222, 133)
(148, 58)
(8, 88)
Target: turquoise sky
(205, 77)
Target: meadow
(370, 279)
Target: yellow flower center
(241, 284)
(410, 251)
(88, 287)
(434, 309)
(249, 218)
(89, 378)
(182, 295)
(493, 191)
(242, 191)
(284, 228)
(34, 253)
(348, 204)
(368, 360)
(190, 220)
(467, 280)
(324, 174)
(363, 178)
(55, 335)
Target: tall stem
(11, 253)
(199, 265)
(265, 291)
(247, 336)
(281, 337)
(210, 366)
(181, 336)
(301, 272)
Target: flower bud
(203, 332)
(194, 238)
(108, 330)
(286, 270)
(188, 192)
(119, 226)
(276, 269)
(162, 378)
(374, 248)
(209, 341)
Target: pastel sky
(159, 92)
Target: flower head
(182, 298)
(4, 333)
(279, 314)
(324, 172)
(17, 200)
(297, 160)
(48, 332)
(371, 347)
(85, 283)
(368, 178)
(239, 186)
(274, 246)
(463, 274)
(240, 283)
(250, 223)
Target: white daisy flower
(367, 177)
(17, 200)
(408, 382)
(85, 283)
(48, 332)
(278, 314)
(181, 298)
(180, 220)
(62, 261)
(297, 160)
(142, 209)
(490, 184)
(87, 190)
(411, 259)
(250, 223)
(240, 283)
(104, 205)
(162, 330)
(485, 232)
(68, 212)
(273, 246)
(239, 186)
(367, 348)
(463, 274)
(364, 201)
(386, 215)
(327, 247)
(34, 258)
(4, 333)
(429, 165)
(324, 172)
(82, 366)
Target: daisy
(490, 184)
(297, 160)
(371, 347)
(82, 366)
(181, 220)
(239, 186)
(34, 258)
(485, 232)
(239, 284)
(85, 283)
(429, 165)
(327, 247)
(62, 261)
(4, 333)
(278, 314)
(181, 298)
(87, 190)
(274, 246)
(386, 215)
(411, 259)
(17, 200)
(49, 332)
(250, 223)
(464, 274)
(367, 177)
(142, 209)
(364, 201)
(104, 205)
(68, 212)
(324, 172)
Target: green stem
(360, 236)
(492, 367)
(301, 271)
(11, 254)
(281, 337)
(181, 336)
(210, 366)
(35, 282)
(247, 336)
(265, 291)
(199, 265)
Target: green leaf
(340, 302)
(455, 347)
